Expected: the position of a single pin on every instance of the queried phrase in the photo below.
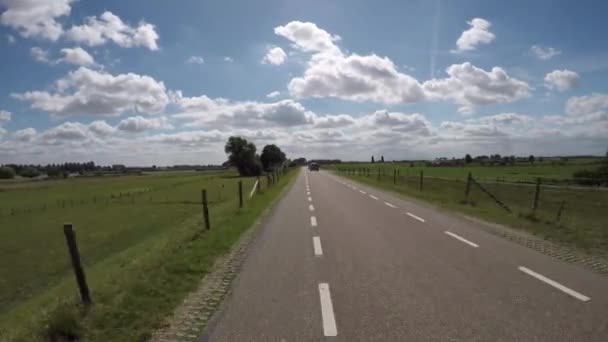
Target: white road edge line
(363, 192)
(390, 205)
(316, 242)
(472, 244)
(415, 217)
(309, 199)
(327, 311)
(374, 197)
(313, 221)
(311, 208)
(555, 284)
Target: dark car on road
(313, 167)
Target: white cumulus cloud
(469, 86)
(26, 134)
(400, 122)
(77, 56)
(371, 78)
(308, 37)
(587, 104)
(195, 60)
(40, 55)
(273, 94)
(109, 27)
(203, 111)
(86, 91)
(357, 78)
(561, 80)
(140, 124)
(333, 121)
(274, 56)
(101, 128)
(544, 53)
(479, 33)
(35, 18)
(5, 116)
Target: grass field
(522, 172)
(141, 241)
(583, 222)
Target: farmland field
(124, 226)
(520, 172)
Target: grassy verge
(135, 288)
(583, 223)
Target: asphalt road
(341, 261)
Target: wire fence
(108, 219)
(576, 214)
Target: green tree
(531, 159)
(468, 159)
(382, 159)
(29, 172)
(373, 161)
(243, 157)
(53, 172)
(272, 156)
(7, 172)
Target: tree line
(52, 170)
(242, 155)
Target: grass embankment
(143, 252)
(583, 223)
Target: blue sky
(159, 82)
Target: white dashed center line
(363, 192)
(555, 284)
(390, 205)
(313, 221)
(308, 193)
(309, 199)
(374, 197)
(311, 208)
(316, 242)
(472, 244)
(327, 311)
(415, 217)
(354, 188)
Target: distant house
(119, 168)
(447, 162)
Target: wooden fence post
(536, 196)
(70, 238)
(240, 194)
(205, 209)
(559, 211)
(467, 188)
(421, 179)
